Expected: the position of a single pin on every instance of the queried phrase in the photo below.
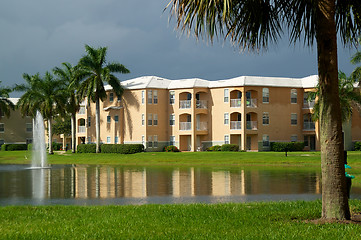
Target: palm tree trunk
(97, 125)
(334, 198)
(73, 133)
(50, 137)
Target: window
(150, 141)
(293, 96)
(155, 141)
(108, 139)
(2, 141)
(172, 140)
(172, 119)
(294, 138)
(143, 119)
(226, 95)
(111, 97)
(171, 97)
(265, 95)
(265, 140)
(28, 141)
(293, 118)
(143, 96)
(265, 118)
(119, 99)
(29, 127)
(226, 139)
(2, 127)
(155, 119)
(150, 96)
(150, 120)
(108, 119)
(226, 118)
(155, 96)
(116, 118)
(89, 121)
(116, 139)
(82, 110)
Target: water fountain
(39, 158)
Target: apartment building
(194, 114)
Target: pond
(119, 185)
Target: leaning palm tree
(68, 74)
(94, 71)
(5, 104)
(253, 25)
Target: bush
(13, 147)
(57, 146)
(171, 149)
(357, 146)
(30, 147)
(214, 148)
(122, 148)
(289, 146)
(229, 148)
(86, 148)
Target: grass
(276, 220)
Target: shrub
(13, 147)
(214, 148)
(30, 147)
(357, 146)
(171, 149)
(86, 148)
(289, 146)
(229, 148)
(57, 146)
(122, 148)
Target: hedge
(171, 148)
(13, 147)
(86, 148)
(122, 148)
(57, 146)
(357, 146)
(214, 148)
(230, 148)
(289, 146)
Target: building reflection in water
(87, 182)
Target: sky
(38, 35)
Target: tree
(5, 104)
(356, 59)
(68, 74)
(62, 125)
(94, 71)
(253, 24)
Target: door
(312, 142)
(248, 143)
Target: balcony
(236, 103)
(202, 104)
(251, 102)
(82, 110)
(185, 104)
(308, 104)
(308, 126)
(202, 126)
(251, 125)
(236, 125)
(185, 126)
(81, 129)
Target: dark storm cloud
(41, 34)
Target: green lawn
(275, 220)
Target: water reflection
(106, 182)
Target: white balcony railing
(308, 126)
(81, 129)
(236, 103)
(307, 104)
(184, 126)
(202, 126)
(251, 102)
(236, 125)
(185, 104)
(201, 104)
(252, 125)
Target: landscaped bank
(277, 220)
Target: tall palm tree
(253, 24)
(68, 74)
(5, 104)
(94, 71)
(356, 59)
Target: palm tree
(5, 104)
(93, 72)
(356, 59)
(253, 24)
(68, 74)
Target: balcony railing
(201, 104)
(82, 110)
(309, 126)
(252, 125)
(307, 104)
(184, 126)
(183, 104)
(236, 103)
(81, 129)
(251, 102)
(202, 126)
(236, 125)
